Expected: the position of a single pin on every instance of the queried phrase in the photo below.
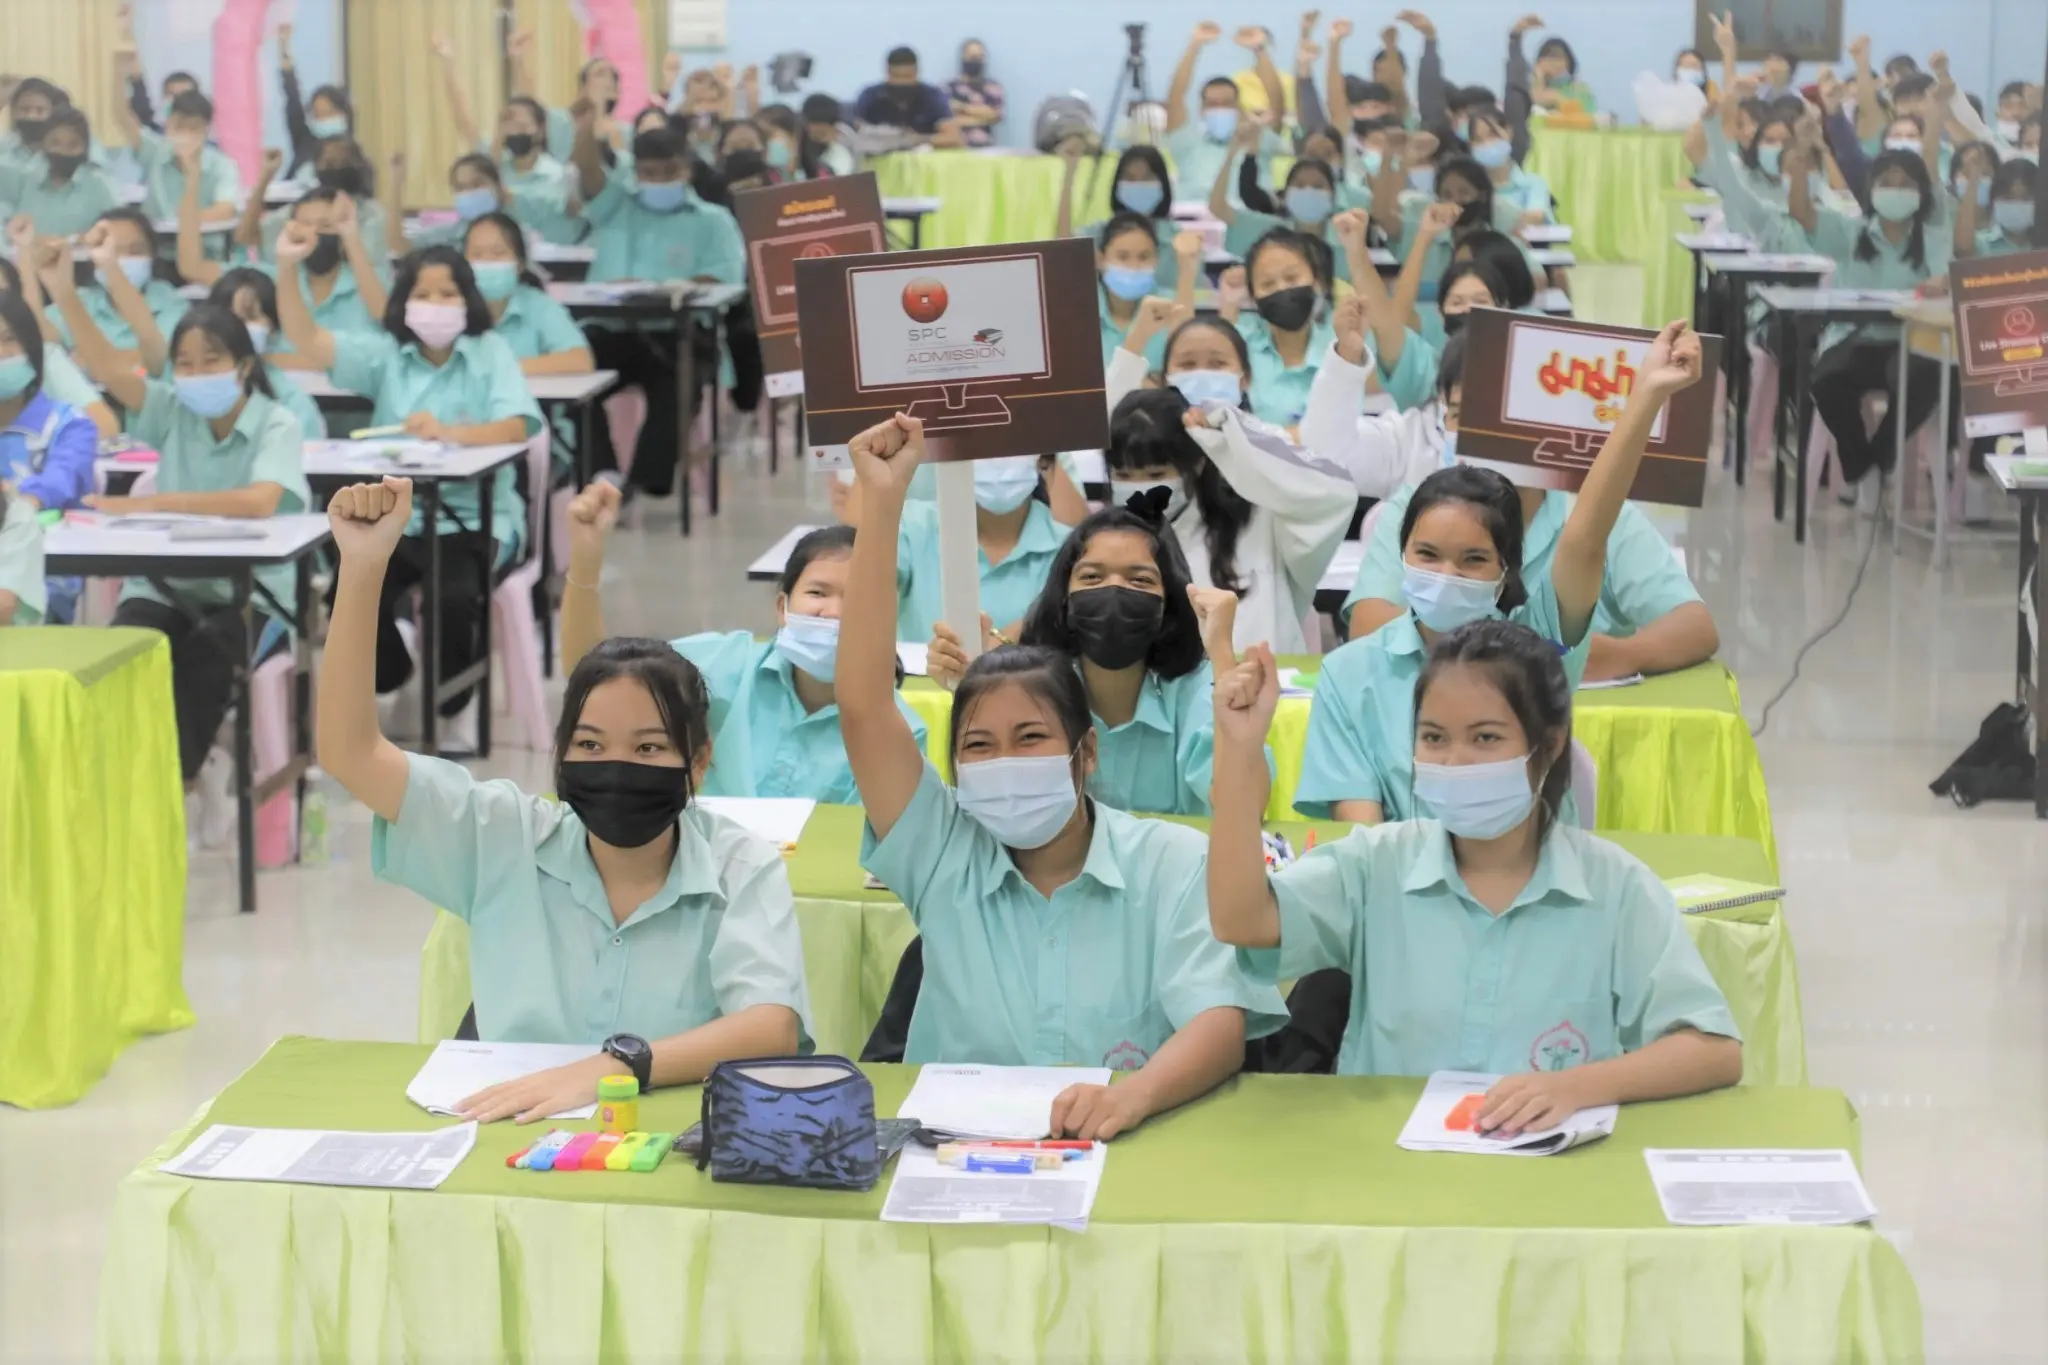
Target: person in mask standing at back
(1201, 146)
(978, 102)
(903, 101)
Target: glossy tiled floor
(1919, 927)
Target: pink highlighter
(570, 1158)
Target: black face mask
(519, 144)
(1454, 323)
(31, 129)
(626, 805)
(342, 180)
(326, 255)
(1289, 309)
(64, 167)
(972, 67)
(1113, 626)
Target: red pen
(1041, 1144)
(1311, 841)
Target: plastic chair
(1585, 785)
(513, 629)
(270, 723)
(626, 412)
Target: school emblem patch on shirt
(1125, 1056)
(1558, 1047)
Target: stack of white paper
(1759, 1185)
(1630, 681)
(312, 1156)
(778, 819)
(1442, 1122)
(925, 1191)
(993, 1101)
(1290, 684)
(460, 1069)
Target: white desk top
(1764, 263)
(1699, 213)
(771, 560)
(1547, 234)
(331, 459)
(2006, 469)
(1883, 302)
(586, 294)
(555, 253)
(548, 388)
(1704, 242)
(167, 228)
(1929, 312)
(1554, 258)
(282, 192)
(1343, 570)
(1555, 302)
(914, 206)
(285, 539)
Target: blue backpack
(807, 1121)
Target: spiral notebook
(1701, 891)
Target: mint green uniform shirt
(65, 382)
(265, 445)
(57, 210)
(1279, 391)
(1160, 759)
(763, 742)
(635, 243)
(297, 401)
(166, 305)
(1198, 158)
(1007, 589)
(220, 180)
(21, 560)
(1412, 381)
(547, 960)
(1591, 960)
(343, 310)
(1840, 235)
(1644, 580)
(1524, 192)
(535, 324)
(369, 224)
(1990, 242)
(1100, 974)
(481, 382)
(540, 198)
(1113, 335)
(1164, 231)
(1250, 225)
(1361, 725)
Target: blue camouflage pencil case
(805, 1121)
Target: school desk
(92, 856)
(1729, 281)
(1930, 333)
(1617, 187)
(1273, 1220)
(853, 936)
(110, 550)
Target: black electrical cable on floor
(1876, 525)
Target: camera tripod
(1132, 79)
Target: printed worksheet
(1445, 1118)
(313, 1156)
(993, 1101)
(1709, 1188)
(459, 1069)
(927, 1191)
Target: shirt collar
(464, 349)
(249, 424)
(1041, 534)
(1321, 334)
(34, 415)
(1559, 870)
(1542, 531)
(1400, 635)
(564, 854)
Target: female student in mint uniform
(1309, 197)
(226, 448)
(22, 591)
(344, 281)
(124, 239)
(59, 189)
(327, 115)
(437, 368)
(774, 717)
(1119, 601)
(251, 295)
(1255, 514)
(1521, 198)
(1126, 262)
(625, 913)
(533, 323)
(1287, 332)
(1606, 1000)
(1408, 358)
(1055, 930)
(1140, 185)
(62, 380)
(47, 447)
(2005, 222)
(1461, 540)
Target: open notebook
(1703, 891)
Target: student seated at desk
(62, 380)
(1521, 198)
(437, 368)
(774, 718)
(22, 593)
(341, 168)
(1255, 514)
(1289, 277)
(1408, 335)
(59, 189)
(533, 323)
(226, 448)
(1054, 929)
(30, 106)
(1119, 602)
(522, 178)
(478, 189)
(1462, 560)
(1204, 146)
(251, 295)
(1127, 263)
(47, 447)
(344, 282)
(1309, 197)
(625, 914)
(1142, 186)
(180, 154)
(123, 247)
(327, 114)
(1463, 205)
(1494, 937)
(2004, 222)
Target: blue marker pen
(1000, 1165)
(542, 1158)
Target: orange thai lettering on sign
(1590, 378)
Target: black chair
(1318, 1008)
(892, 1030)
(465, 1032)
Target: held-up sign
(1541, 394)
(804, 220)
(2001, 305)
(997, 349)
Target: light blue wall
(176, 35)
(1040, 48)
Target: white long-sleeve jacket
(1382, 453)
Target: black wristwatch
(633, 1052)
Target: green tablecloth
(1610, 185)
(989, 197)
(854, 936)
(92, 856)
(1275, 1220)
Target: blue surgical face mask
(1023, 802)
(327, 127)
(1450, 439)
(1444, 601)
(1769, 159)
(1220, 124)
(1493, 155)
(139, 270)
(1693, 76)
(2013, 216)
(1127, 283)
(1202, 387)
(663, 198)
(475, 203)
(16, 375)
(1895, 203)
(1140, 196)
(810, 643)
(1983, 194)
(259, 336)
(1476, 800)
(1309, 203)
(210, 395)
(495, 280)
(1422, 179)
(1004, 485)
(1370, 161)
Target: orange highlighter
(594, 1155)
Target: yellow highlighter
(621, 1157)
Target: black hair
(1492, 117)
(727, 128)
(827, 542)
(1335, 135)
(1148, 429)
(2011, 89)
(233, 282)
(1223, 329)
(1691, 52)
(779, 118)
(28, 334)
(10, 278)
(1390, 54)
(1757, 109)
(1528, 672)
(36, 85)
(1124, 221)
(515, 237)
(1310, 163)
(1046, 674)
(660, 144)
(2021, 173)
(1975, 102)
(1223, 81)
(1783, 54)
(1913, 86)
(673, 681)
(337, 97)
(1790, 107)
(1477, 213)
(1915, 167)
(479, 163)
(1770, 119)
(231, 334)
(1902, 63)
(1988, 154)
(1482, 271)
(1505, 269)
(191, 104)
(407, 276)
(1313, 250)
(69, 116)
(901, 56)
(1450, 366)
(1147, 156)
(358, 165)
(1358, 90)
(820, 108)
(135, 218)
(1497, 505)
(1563, 49)
(1366, 127)
(540, 116)
(1178, 650)
(318, 194)
(1472, 97)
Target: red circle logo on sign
(924, 299)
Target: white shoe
(216, 793)
(1870, 495)
(398, 713)
(456, 734)
(192, 822)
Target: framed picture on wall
(1810, 30)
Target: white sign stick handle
(2034, 441)
(959, 555)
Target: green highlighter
(650, 1152)
(621, 1156)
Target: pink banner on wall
(237, 100)
(611, 29)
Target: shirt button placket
(1049, 1044)
(1482, 996)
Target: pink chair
(1763, 400)
(270, 723)
(513, 629)
(626, 412)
